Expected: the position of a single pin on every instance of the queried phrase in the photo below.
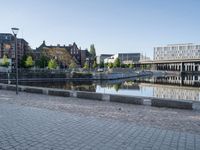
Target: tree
(117, 87)
(29, 62)
(105, 65)
(23, 61)
(117, 63)
(61, 54)
(42, 62)
(101, 65)
(110, 65)
(131, 66)
(94, 65)
(5, 62)
(86, 66)
(72, 65)
(52, 64)
(93, 51)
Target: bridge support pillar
(182, 67)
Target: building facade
(177, 52)
(78, 55)
(100, 59)
(7, 47)
(178, 57)
(125, 58)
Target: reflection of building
(7, 46)
(173, 92)
(189, 80)
(76, 53)
(126, 58)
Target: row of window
(193, 47)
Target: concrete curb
(33, 90)
(126, 99)
(89, 95)
(171, 104)
(59, 93)
(155, 102)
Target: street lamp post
(15, 31)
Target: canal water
(168, 87)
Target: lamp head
(15, 30)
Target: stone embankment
(156, 102)
(120, 75)
(57, 76)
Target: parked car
(100, 70)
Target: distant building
(7, 47)
(80, 56)
(100, 59)
(177, 52)
(177, 57)
(125, 58)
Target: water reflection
(168, 87)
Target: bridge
(183, 65)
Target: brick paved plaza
(30, 121)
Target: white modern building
(100, 59)
(177, 52)
(127, 58)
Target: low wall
(171, 104)
(59, 93)
(179, 104)
(114, 76)
(126, 99)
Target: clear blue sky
(112, 25)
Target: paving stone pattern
(24, 126)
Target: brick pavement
(31, 121)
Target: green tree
(93, 51)
(5, 62)
(110, 65)
(94, 65)
(131, 66)
(117, 87)
(86, 66)
(105, 65)
(42, 62)
(29, 62)
(23, 61)
(52, 64)
(72, 65)
(117, 63)
(101, 65)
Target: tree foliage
(5, 62)
(86, 66)
(72, 65)
(42, 62)
(61, 54)
(29, 62)
(93, 51)
(131, 66)
(117, 87)
(101, 65)
(52, 64)
(23, 61)
(117, 63)
(110, 65)
(94, 65)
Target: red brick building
(7, 47)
